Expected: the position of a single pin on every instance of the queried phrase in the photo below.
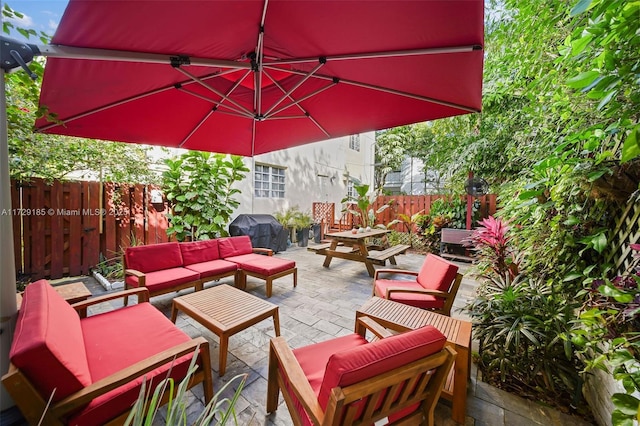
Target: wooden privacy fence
(402, 204)
(61, 228)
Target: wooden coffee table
(400, 317)
(225, 310)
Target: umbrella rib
(195, 129)
(133, 98)
(304, 98)
(306, 113)
(298, 84)
(385, 89)
(376, 55)
(103, 108)
(202, 83)
(216, 103)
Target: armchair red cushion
(363, 362)
(424, 301)
(199, 251)
(437, 273)
(117, 339)
(155, 257)
(235, 246)
(48, 345)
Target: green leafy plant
(199, 188)
(409, 223)
(608, 335)
(522, 323)
(360, 206)
(217, 412)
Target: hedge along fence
(61, 228)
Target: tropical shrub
(608, 335)
(361, 206)
(199, 188)
(521, 322)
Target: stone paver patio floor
(322, 307)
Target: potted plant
(302, 222)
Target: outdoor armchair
(434, 287)
(347, 380)
(91, 369)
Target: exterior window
(269, 181)
(354, 142)
(351, 192)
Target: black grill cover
(263, 229)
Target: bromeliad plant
(520, 322)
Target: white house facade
(297, 177)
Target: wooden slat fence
(402, 204)
(412, 204)
(61, 228)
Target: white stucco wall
(303, 185)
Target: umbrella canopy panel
(251, 77)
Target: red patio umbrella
(249, 77)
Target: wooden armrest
(298, 383)
(261, 250)
(141, 276)
(436, 293)
(141, 292)
(133, 272)
(374, 327)
(394, 271)
(84, 396)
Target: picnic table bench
(380, 257)
(353, 246)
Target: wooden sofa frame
(36, 409)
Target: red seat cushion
(437, 273)
(199, 251)
(423, 301)
(360, 363)
(153, 257)
(234, 246)
(212, 267)
(313, 360)
(160, 280)
(263, 265)
(48, 345)
(118, 339)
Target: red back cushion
(234, 246)
(154, 257)
(437, 273)
(199, 251)
(48, 346)
(354, 365)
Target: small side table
(72, 293)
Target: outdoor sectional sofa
(168, 267)
(89, 367)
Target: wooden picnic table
(354, 246)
